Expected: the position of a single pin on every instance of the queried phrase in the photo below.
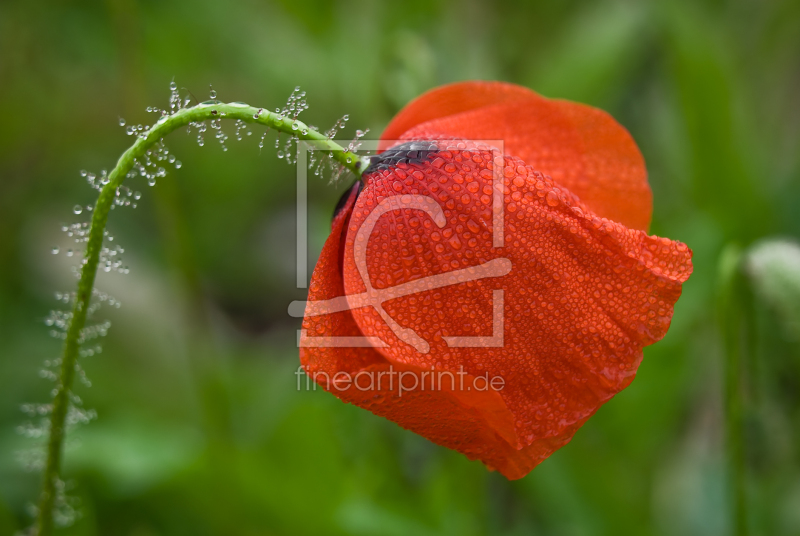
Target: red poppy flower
(492, 302)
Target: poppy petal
(472, 423)
(585, 294)
(584, 149)
(326, 283)
(452, 99)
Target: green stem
(167, 124)
(736, 327)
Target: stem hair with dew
(211, 110)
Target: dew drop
(212, 93)
(178, 164)
(121, 122)
(55, 250)
(77, 209)
(173, 86)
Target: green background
(201, 430)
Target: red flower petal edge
(580, 147)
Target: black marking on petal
(411, 152)
(345, 196)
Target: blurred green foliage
(201, 428)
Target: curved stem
(167, 124)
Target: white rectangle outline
(498, 241)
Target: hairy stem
(167, 124)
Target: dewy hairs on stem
(109, 187)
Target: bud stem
(167, 124)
